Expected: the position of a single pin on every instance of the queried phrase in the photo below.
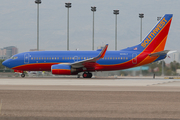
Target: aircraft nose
(6, 63)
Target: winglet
(103, 52)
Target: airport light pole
(38, 2)
(141, 15)
(158, 18)
(68, 5)
(116, 12)
(93, 9)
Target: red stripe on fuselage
(156, 45)
(35, 67)
(142, 58)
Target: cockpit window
(14, 57)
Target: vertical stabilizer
(155, 41)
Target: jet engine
(63, 69)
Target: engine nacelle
(62, 69)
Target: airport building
(7, 52)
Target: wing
(90, 62)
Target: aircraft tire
(87, 75)
(22, 75)
(90, 75)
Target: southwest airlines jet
(151, 49)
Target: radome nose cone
(6, 63)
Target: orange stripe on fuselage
(149, 59)
(156, 45)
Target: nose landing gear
(87, 75)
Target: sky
(18, 23)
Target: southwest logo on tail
(151, 49)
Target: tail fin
(155, 41)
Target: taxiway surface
(72, 98)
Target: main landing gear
(87, 75)
(23, 75)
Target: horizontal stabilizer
(156, 54)
(170, 52)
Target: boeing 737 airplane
(151, 49)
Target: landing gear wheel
(22, 75)
(90, 75)
(87, 75)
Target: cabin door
(26, 58)
(134, 58)
(75, 58)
